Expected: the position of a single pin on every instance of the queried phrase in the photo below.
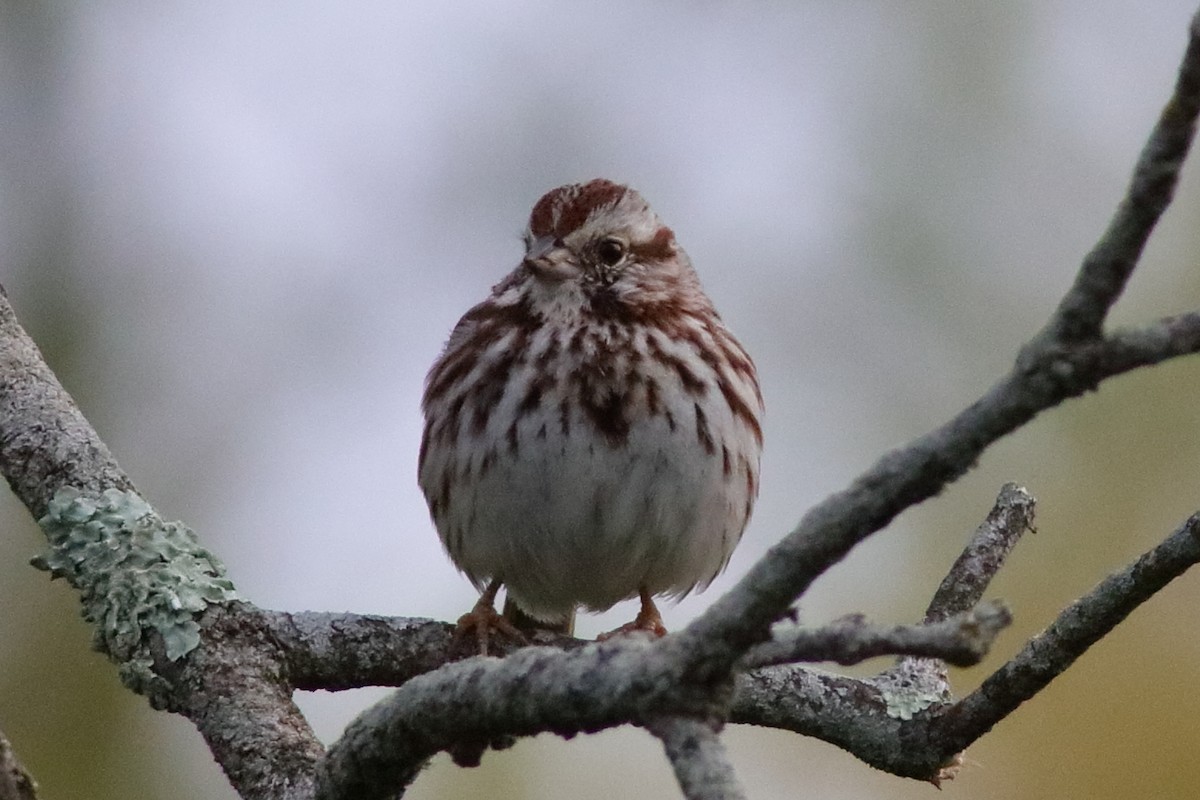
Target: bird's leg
(648, 620)
(483, 619)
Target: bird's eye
(610, 251)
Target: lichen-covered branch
(137, 575)
(146, 584)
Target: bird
(593, 430)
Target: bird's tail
(527, 624)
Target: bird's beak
(550, 260)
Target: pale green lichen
(912, 687)
(135, 573)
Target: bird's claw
(481, 622)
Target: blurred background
(241, 233)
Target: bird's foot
(648, 620)
(482, 621)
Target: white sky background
(272, 215)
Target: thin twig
(1078, 627)
(1106, 269)
(866, 718)
(984, 555)
(962, 640)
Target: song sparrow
(592, 428)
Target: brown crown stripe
(562, 210)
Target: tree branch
(45, 442)
(1106, 269)
(234, 690)
(962, 640)
(332, 652)
(534, 690)
(1077, 628)
(909, 729)
(1059, 363)
(698, 757)
(984, 555)
(228, 687)
(882, 720)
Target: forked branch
(1061, 362)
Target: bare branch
(698, 757)
(1108, 266)
(45, 442)
(234, 692)
(984, 555)
(1048, 371)
(1142, 347)
(347, 651)
(1077, 628)
(904, 725)
(961, 640)
(536, 689)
